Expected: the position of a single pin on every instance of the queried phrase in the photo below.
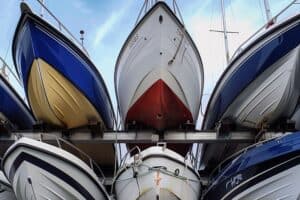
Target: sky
(107, 23)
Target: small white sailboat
(157, 173)
(6, 192)
(39, 171)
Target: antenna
(81, 36)
(225, 32)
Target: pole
(42, 8)
(225, 31)
(268, 10)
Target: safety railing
(224, 163)
(62, 28)
(261, 30)
(69, 147)
(148, 4)
(128, 155)
(5, 74)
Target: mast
(225, 32)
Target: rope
(137, 182)
(163, 171)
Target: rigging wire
(176, 7)
(234, 24)
(212, 47)
(261, 9)
(233, 14)
(7, 50)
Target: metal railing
(78, 153)
(5, 66)
(192, 158)
(148, 4)
(223, 164)
(128, 156)
(261, 30)
(62, 28)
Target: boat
(156, 173)
(267, 170)
(14, 113)
(260, 84)
(60, 80)
(159, 72)
(259, 89)
(6, 192)
(37, 170)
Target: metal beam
(139, 137)
(208, 137)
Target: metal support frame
(86, 137)
(139, 137)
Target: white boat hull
(264, 171)
(258, 90)
(155, 178)
(284, 185)
(158, 64)
(272, 95)
(6, 192)
(40, 171)
(260, 85)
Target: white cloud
(105, 28)
(82, 7)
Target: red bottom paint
(159, 108)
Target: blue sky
(108, 23)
